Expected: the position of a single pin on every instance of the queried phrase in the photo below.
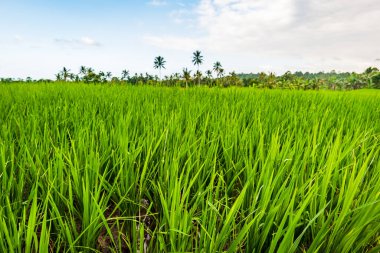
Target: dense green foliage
(370, 78)
(91, 167)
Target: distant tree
(7, 80)
(90, 70)
(58, 77)
(82, 70)
(271, 81)
(108, 76)
(176, 76)
(65, 74)
(208, 74)
(261, 80)
(221, 72)
(232, 80)
(198, 60)
(368, 73)
(159, 63)
(186, 74)
(376, 80)
(198, 76)
(102, 77)
(356, 81)
(89, 75)
(217, 68)
(115, 80)
(124, 75)
(371, 70)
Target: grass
(87, 168)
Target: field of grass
(86, 168)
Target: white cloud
(181, 16)
(89, 42)
(157, 2)
(289, 26)
(18, 39)
(12, 39)
(314, 33)
(84, 41)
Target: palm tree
(65, 74)
(186, 74)
(197, 60)
(159, 63)
(82, 70)
(209, 74)
(102, 77)
(88, 75)
(218, 68)
(124, 75)
(198, 76)
(71, 77)
(221, 72)
(58, 77)
(108, 76)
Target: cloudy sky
(39, 37)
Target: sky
(39, 37)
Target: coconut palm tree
(107, 76)
(186, 74)
(198, 60)
(71, 77)
(82, 70)
(58, 77)
(217, 68)
(76, 78)
(65, 73)
(208, 77)
(124, 75)
(221, 72)
(89, 75)
(198, 76)
(208, 74)
(159, 63)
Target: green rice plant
(91, 168)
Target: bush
(376, 80)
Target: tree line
(216, 77)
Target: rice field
(91, 168)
